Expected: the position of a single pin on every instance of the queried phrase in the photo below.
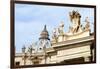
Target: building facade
(75, 46)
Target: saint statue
(61, 28)
(75, 19)
(31, 49)
(54, 36)
(87, 26)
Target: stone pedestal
(86, 59)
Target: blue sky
(30, 20)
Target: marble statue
(87, 26)
(54, 36)
(61, 28)
(75, 19)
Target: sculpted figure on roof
(75, 20)
(61, 28)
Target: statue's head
(61, 24)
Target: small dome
(44, 34)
